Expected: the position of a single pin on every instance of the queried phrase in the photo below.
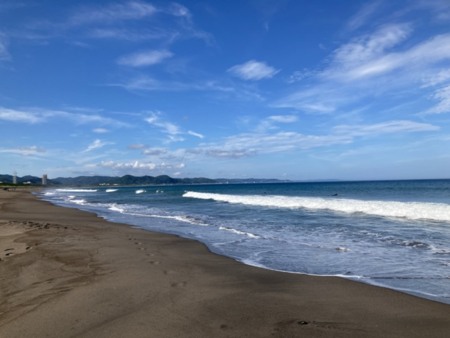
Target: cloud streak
(144, 59)
(173, 131)
(253, 70)
(130, 10)
(25, 151)
(96, 144)
(20, 116)
(257, 143)
(4, 53)
(382, 63)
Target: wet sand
(68, 273)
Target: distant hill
(127, 180)
(8, 179)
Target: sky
(298, 90)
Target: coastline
(66, 272)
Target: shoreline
(71, 273)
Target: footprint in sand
(178, 284)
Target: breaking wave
(409, 210)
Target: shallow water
(394, 234)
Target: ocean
(394, 234)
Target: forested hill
(126, 180)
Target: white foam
(410, 210)
(77, 190)
(140, 191)
(239, 232)
(79, 202)
(111, 190)
(115, 207)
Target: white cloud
(253, 70)
(284, 118)
(179, 10)
(143, 59)
(130, 34)
(4, 53)
(271, 122)
(263, 142)
(167, 127)
(251, 144)
(373, 65)
(155, 151)
(14, 115)
(130, 10)
(193, 133)
(442, 95)
(365, 56)
(96, 145)
(137, 166)
(418, 58)
(363, 15)
(398, 126)
(436, 78)
(100, 130)
(25, 151)
(172, 130)
(128, 165)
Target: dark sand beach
(69, 273)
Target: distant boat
(140, 191)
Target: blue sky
(298, 90)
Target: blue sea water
(394, 234)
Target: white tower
(15, 177)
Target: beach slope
(67, 273)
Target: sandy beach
(69, 273)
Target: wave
(76, 190)
(239, 232)
(409, 210)
(79, 202)
(111, 190)
(115, 207)
(140, 191)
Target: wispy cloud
(96, 144)
(385, 62)
(283, 118)
(143, 59)
(442, 96)
(396, 127)
(138, 166)
(365, 56)
(193, 133)
(100, 130)
(40, 115)
(14, 115)
(167, 127)
(266, 142)
(25, 151)
(130, 10)
(145, 83)
(173, 131)
(4, 53)
(363, 15)
(273, 121)
(132, 34)
(253, 70)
